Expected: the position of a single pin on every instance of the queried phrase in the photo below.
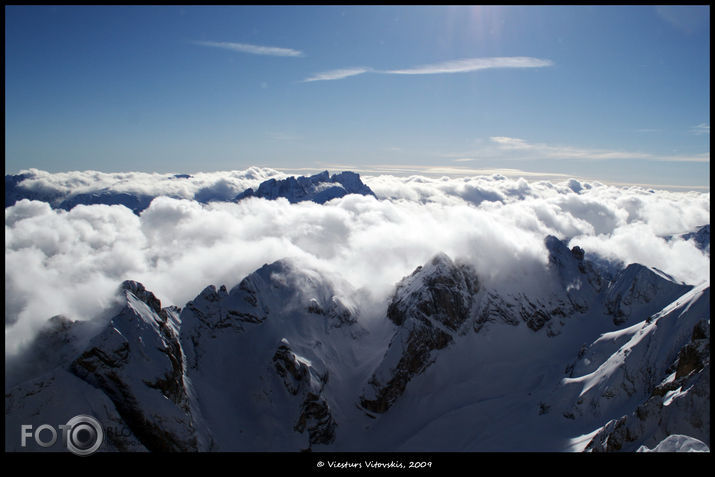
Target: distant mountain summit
(318, 188)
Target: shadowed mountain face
(701, 237)
(286, 360)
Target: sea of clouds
(71, 262)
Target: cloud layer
(70, 262)
(219, 185)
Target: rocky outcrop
(574, 286)
(302, 380)
(429, 307)
(645, 381)
(496, 309)
(316, 418)
(676, 406)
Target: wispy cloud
(473, 64)
(337, 74)
(447, 67)
(689, 19)
(703, 157)
(540, 150)
(511, 142)
(700, 129)
(251, 49)
(565, 152)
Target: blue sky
(612, 93)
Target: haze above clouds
(71, 262)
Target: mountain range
(318, 188)
(586, 356)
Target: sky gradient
(612, 93)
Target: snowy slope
(677, 443)
(54, 398)
(664, 365)
(506, 382)
(269, 359)
(133, 369)
(137, 361)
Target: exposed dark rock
(428, 306)
(658, 417)
(151, 399)
(316, 418)
(315, 415)
(295, 374)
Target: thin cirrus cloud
(700, 129)
(448, 67)
(337, 74)
(252, 49)
(540, 150)
(473, 64)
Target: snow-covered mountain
(15, 190)
(318, 188)
(587, 358)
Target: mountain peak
(635, 288)
(140, 292)
(429, 307)
(319, 188)
(320, 177)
